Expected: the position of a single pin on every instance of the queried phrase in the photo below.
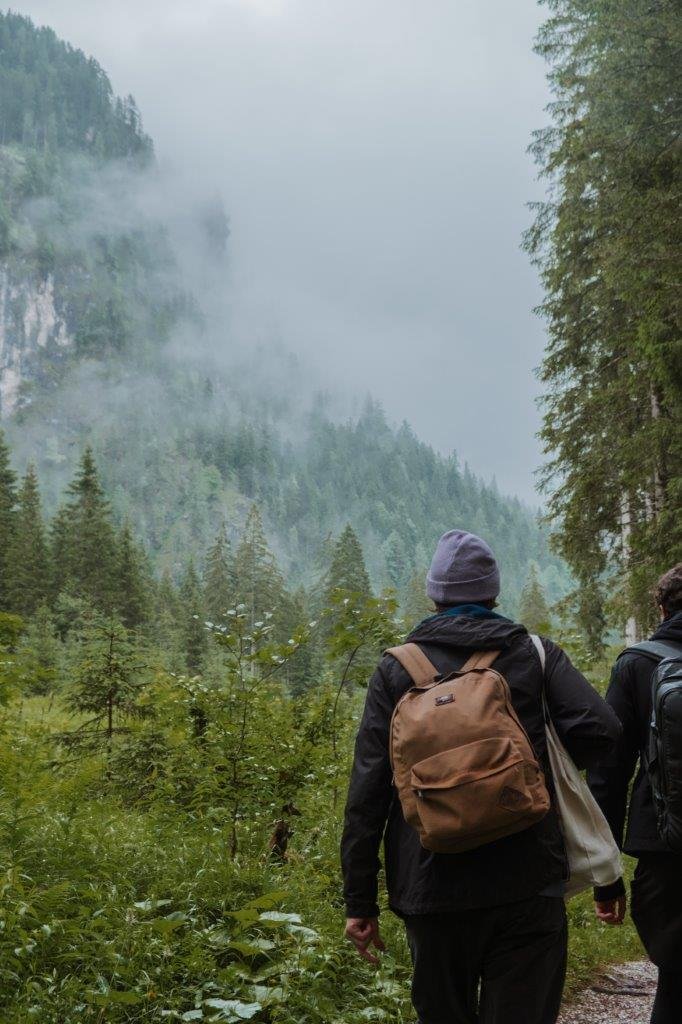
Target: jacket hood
(671, 629)
(476, 634)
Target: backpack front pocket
(470, 792)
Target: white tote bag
(593, 856)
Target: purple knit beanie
(463, 570)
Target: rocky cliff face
(30, 324)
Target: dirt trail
(619, 995)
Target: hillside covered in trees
(103, 343)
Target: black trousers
(499, 965)
(657, 914)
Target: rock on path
(622, 994)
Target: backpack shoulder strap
(481, 659)
(655, 650)
(416, 664)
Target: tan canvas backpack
(463, 765)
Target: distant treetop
(54, 97)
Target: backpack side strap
(416, 664)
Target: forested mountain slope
(103, 341)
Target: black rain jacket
(510, 869)
(629, 694)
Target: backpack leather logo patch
(446, 698)
(512, 799)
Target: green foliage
(347, 570)
(533, 608)
(192, 619)
(107, 680)
(28, 557)
(259, 583)
(83, 542)
(39, 654)
(219, 577)
(8, 498)
(608, 245)
(133, 582)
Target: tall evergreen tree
(415, 605)
(398, 561)
(534, 611)
(258, 579)
(347, 570)
(608, 245)
(107, 680)
(28, 554)
(219, 588)
(8, 516)
(132, 582)
(83, 541)
(192, 621)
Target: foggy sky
(371, 156)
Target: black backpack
(664, 757)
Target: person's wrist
(606, 893)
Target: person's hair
(668, 590)
(492, 603)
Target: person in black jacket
(486, 928)
(657, 885)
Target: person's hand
(363, 932)
(611, 911)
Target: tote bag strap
(542, 655)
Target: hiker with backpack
(646, 694)
(451, 769)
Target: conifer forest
(199, 567)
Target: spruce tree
(192, 621)
(398, 561)
(533, 608)
(259, 582)
(132, 582)
(415, 605)
(107, 680)
(83, 541)
(304, 668)
(8, 517)
(608, 245)
(219, 589)
(28, 555)
(347, 570)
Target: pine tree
(533, 608)
(304, 668)
(607, 242)
(192, 621)
(28, 555)
(219, 585)
(108, 679)
(258, 580)
(132, 582)
(415, 604)
(83, 541)
(8, 517)
(398, 561)
(347, 570)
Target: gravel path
(619, 995)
